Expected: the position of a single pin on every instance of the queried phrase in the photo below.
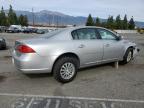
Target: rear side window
(85, 34)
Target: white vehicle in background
(14, 29)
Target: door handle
(81, 46)
(107, 45)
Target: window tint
(105, 34)
(84, 34)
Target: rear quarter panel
(53, 49)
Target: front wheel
(65, 69)
(128, 56)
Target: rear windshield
(53, 33)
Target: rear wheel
(65, 69)
(128, 56)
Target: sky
(98, 8)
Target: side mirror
(119, 38)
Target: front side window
(84, 34)
(106, 35)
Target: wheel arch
(131, 47)
(67, 54)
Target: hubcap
(67, 70)
(129, 56)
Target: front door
(112, 46)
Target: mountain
(52, 17)
(139, 24)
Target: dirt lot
(96, 87)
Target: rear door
(88, 45)
(112, 47)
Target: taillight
(25, 49)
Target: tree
(12, 18)
(90, 21)
(110, 22)
(97, 23)
(131, 24)
(23, 20)
(103, 24)
(26, 20)
(3, 18)
(125, 23)
(118, 21)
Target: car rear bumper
(31, 63)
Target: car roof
(80, 27)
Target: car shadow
(2, 78)
(141, 44)
(45, 75)
(39, 75)
(97, 66)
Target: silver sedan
(64, 51)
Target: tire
(128, 56)
(65, 69)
